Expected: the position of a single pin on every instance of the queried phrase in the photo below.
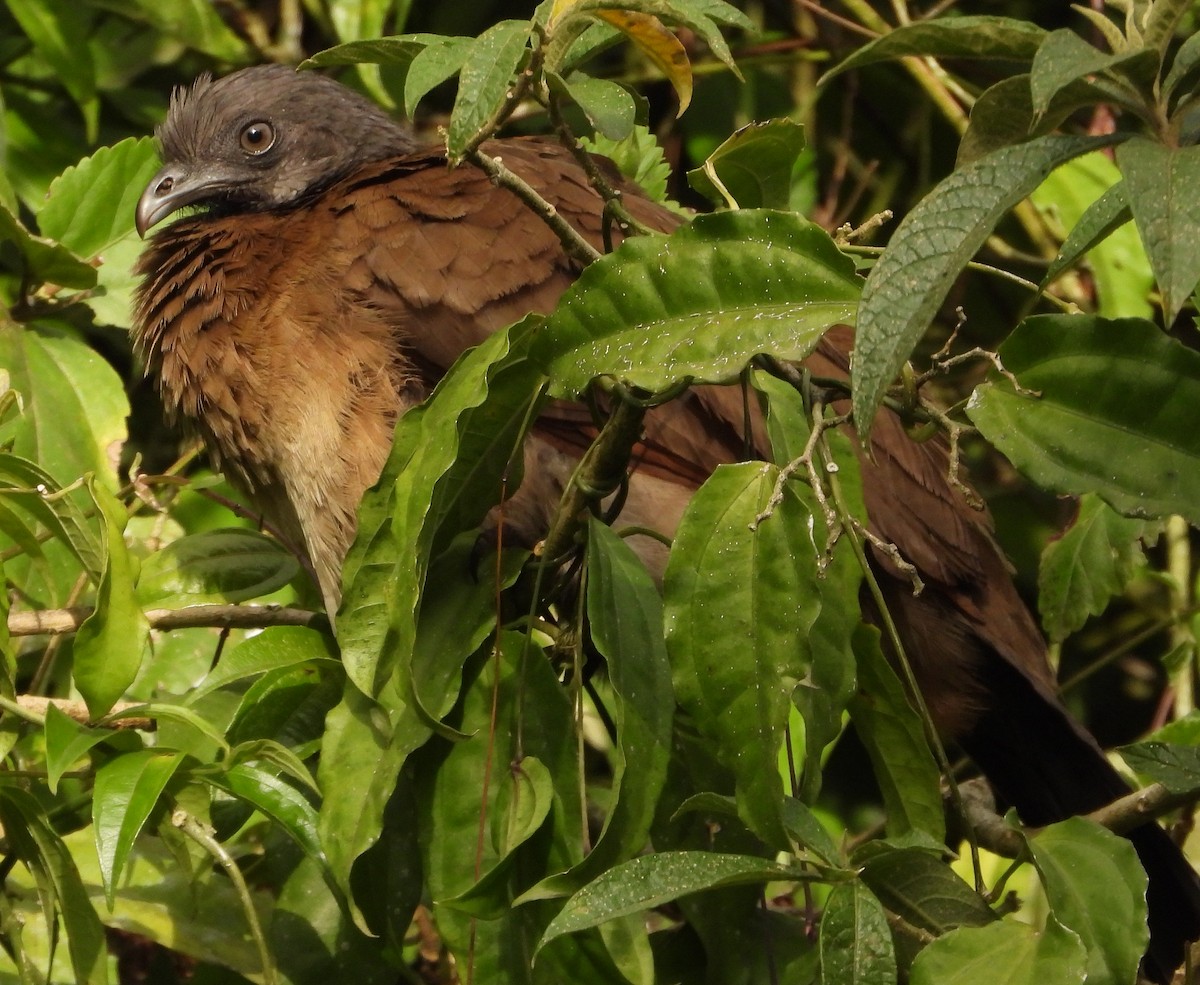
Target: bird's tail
(1077, 779)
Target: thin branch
(55, 622)
(1136, 808)
(575, 246)
(600, 471)
(202, 835)
(32, 708)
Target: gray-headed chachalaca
(338, 269)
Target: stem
(202, 836)
(1179, 566)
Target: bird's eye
(257, 138)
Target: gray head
(263, 138)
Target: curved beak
(168, 191)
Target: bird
(333, 270)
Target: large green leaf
(652, 880)
(109, 645)
(739, 599)
(127, 790)
(918, 886)
(1107, 407)
(532, 717)
(930, 248)
(700, 303)
(625, 621)
(1086, 196)
(41, 260)
(1160, 184)
(487, 73)
(75, 403)
(90, 209)
(33, 840)
(1065, 57)
(753, 167)
(1097, 888)
(1007, 952)
(445, 471)
(895, 740)
(949, 37)
(856, 942)
(215, 566)
(831, 682)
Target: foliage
(309, 809)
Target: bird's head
(262, 138)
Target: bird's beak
(170, 190)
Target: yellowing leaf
(658, 44)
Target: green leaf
(822, 697)
(1079, 196)
(59, 32)
(196, 24)
(1087, 566)
(431, 66)
(110, 642)
(608, 106)
(63, 894)
(126, 791)
(450, 781)
(215, 566)
(362, 754)
(1004, 115)
(26, 484)
(487, 73)
(806, 828)
(1065, 57)
(625, 621)
(278, 800)
(700, 303)
(1161, 21)
(90, 205)
(1113, 416)
(90, 210)
(455, 620)
(1159, 184)
(740, 595)
(1012, 953)
(856, 941)
(522, 804)
(1174, 764)
(445, 471)
(42, 260)
(753, 167)
(640, 159)
(910, 280)
(1183, 66)
(75, 403)
(895, 740)
(917, 885)
(275, 648)
(651, 880)
(949, 37)
(1097, 888)
(66, 743)
(1107, 214)
(286, 708)
(398, 51)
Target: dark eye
(257, 138)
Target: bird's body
(293, 332)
